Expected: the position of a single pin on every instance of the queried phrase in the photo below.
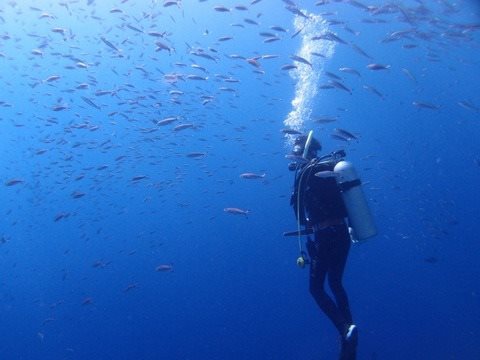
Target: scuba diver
(320, 206)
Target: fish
(59, 30)
(326, 86)
(221, 8)
(253, 62)
(468, 105)
(162, 46)
(289, 67)
(249, 175)
(324, 119)
(104, 92)
(291, 132)
(87, 301)
(59, 107)
(196, 66)
(345, 134)
(338, 137)
(130, 287)
(301, 60)
(164, 268)
(350, 71)
(360, 51)
(278, 28)
(340, 86)
(90, 102)
(12, 182)
(166, 121)
(378, 67)
(236, 211)
(196, 77)
(267, 34)
(134, 28)
(271, 39)
(77, 194)
(425, 105)
(170, 3)
(373, 91)
(293, 9)
(231, 80)
(326, 174)
(52, 78)
(269, 56)
(296, 33)
(332, 75)
(203, 54)
(226, 89)
(60, 216)
(250, 21)
(409, 74)
(109, 44)
(157, 34)
(183, 127)
(330, 37)
(139, 177)
(196, 155)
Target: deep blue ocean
(125, 127)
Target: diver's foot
(349, 341)
(352, 333)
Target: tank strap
(347, 185)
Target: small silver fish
(378, 67)
(301, 60)
(425, 105)
(180, 127)
(164, 268)
(196, 155)
(349, 70)
(345, 134)
(249, 175)
(325, 174)
(12, 182)
(291, 132)
(236, 211)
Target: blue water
(83, 243)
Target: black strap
(347, 185)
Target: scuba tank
(359, 215)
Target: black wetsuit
(318, 204)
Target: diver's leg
(335, 272)
(319, 252)
(349, 339)
(348, 351)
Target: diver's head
(299, 147)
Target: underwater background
(125, 127)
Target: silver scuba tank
(359, 215)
